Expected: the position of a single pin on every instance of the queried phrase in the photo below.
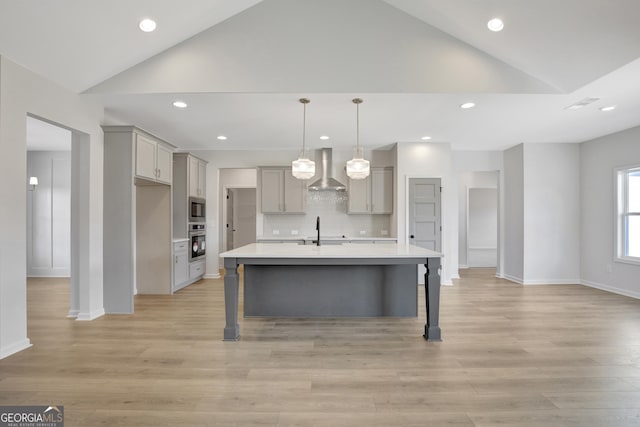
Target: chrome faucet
(318, 230)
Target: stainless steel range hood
(326, 181)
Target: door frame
(443, 246)
(222, 232)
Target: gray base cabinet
(181, 264)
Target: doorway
(55, 207)
(48, 199)
(482, 227)
(241, 217)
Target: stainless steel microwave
(197, 209)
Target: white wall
(428, 160)
(597, 161)
(551, 213)
(513, 247)
(49, 214)
(542, 214)
(23, 92)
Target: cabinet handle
(159, 173)
(176, 259)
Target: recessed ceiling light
(495, 24)
(608, 108)
(147, 25)
(467, 105)
(179, 104)
(425, 138)
(324, 137)
(222, 137)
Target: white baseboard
(90, 316)
(535, 282)
(513, 279)
(608, 288)
(462, 266)
(14, 348)
(73, 313)
(212, 276)
(552, 282)
(64, 275)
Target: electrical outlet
(294, 232)
(363, 232)
(275, 232)
(384, 232)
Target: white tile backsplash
(331, 207)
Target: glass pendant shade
(303, 168)
(358, 167)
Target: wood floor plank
(512, 355)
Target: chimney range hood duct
(326, 182)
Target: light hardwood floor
(511, 355)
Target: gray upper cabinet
(359, 196)
(280, 191)
(154, 160)
(197, 177)
(382, 190)
(372, 195)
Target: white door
(424, 213)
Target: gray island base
(289, 280)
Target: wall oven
(197, 211)
(198, 239)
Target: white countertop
(346, 250)
(184, 239)
(297, 238)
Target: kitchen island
(348, 280)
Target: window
(628, 214)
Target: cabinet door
(359, 195)
(293, 193)
(272, 190)
(181, 269)
(145, 157)
(381, 190)
(202, 178)
(194, 187)
(164, 164)
(196, 269)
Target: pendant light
(303, 168)
(358, 167)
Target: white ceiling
(242, 65)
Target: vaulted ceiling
(241, 66)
